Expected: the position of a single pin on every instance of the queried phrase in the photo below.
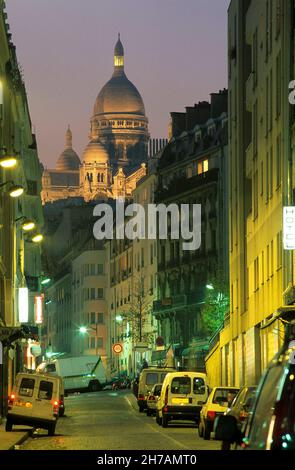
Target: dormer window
(203, 166)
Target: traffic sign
(117, 348)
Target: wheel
(61, 411)
(51, 429)
(140, 408)
(201, 429)
(8, 426)
(225, 445)
(149, 412)
(158, 419)
(207, 431)
(94, 386)
(165, 421)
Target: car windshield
(151, 378)
(181, 385)
(223, 396)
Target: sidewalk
(9, 439)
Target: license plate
(180, 401)
(22, 403)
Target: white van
(182, 397)
(34, 401)
(79, 373)
(147, 379)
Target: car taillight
(11, 399)
(151, 397)
(211, 415)
(55, 405)
(243, 415)
(140, 397)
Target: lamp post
(84, 329)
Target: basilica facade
(114, 159)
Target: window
(278, 162)
(92, 318)
(92, 270)
(100, 342)
(92, 293)
(181, 385)
(27, 387)
(92, 342)
(100, 269)
(100, 293)
(163, 377)
(198, 386)
(142, 258)
(50, 368)
(45, 390)
(100, 317)
(278, 84)
(203, 166)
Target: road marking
(156, 430)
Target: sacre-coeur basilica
(114, 159)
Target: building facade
(20, 258)
(192, 170)
(261, 123)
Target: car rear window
(198, 386)
(222, 395)
(151, 378)
(27, 387)
(181, 385)
(45, 390)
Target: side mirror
(226, 429)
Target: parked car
(152, 399)
(182, 396)
(271, 421)
(217, 404)
(147, 379)
(34, 401)
(240, 409)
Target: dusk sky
(175, 54)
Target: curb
(20, 440)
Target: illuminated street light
(119, 318)
(28, 225)
(83, 330)
(45, 281)
(37, 238)
(8, 162)
(209, 286)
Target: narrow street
(109, 420)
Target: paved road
(110, 420)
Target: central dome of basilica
(119, 95)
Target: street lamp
(209, 287)
(45, 281)
(15, 190)
(27, 224)
(37, 238)
(7, 161)
(83, 330)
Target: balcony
(177, 302)
(184, 185)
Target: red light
(55, 403)
(211, 415)
(140, 397)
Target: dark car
(271, 422)
(240, 408)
